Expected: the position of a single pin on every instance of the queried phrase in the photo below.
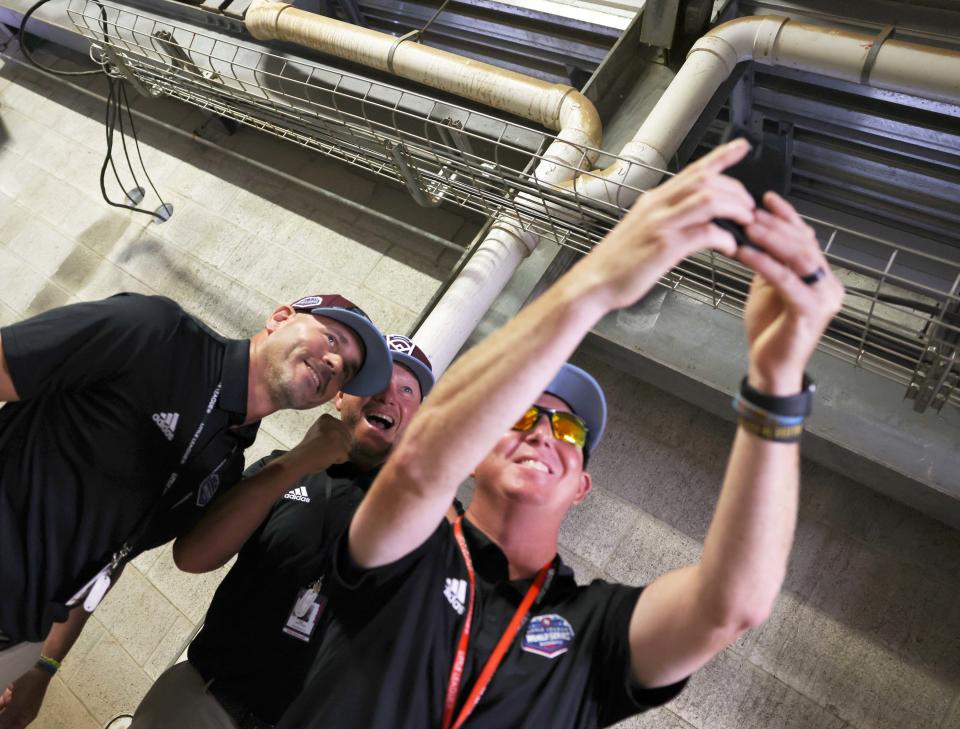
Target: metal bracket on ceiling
(456, 145)
(415, 35)
(938, 371)
(121, 67)
(179, 58)
(885, 33)
(410, 178)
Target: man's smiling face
(533, 467)
(378, 421)
(308, 359)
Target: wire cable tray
(901, 315)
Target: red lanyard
(493, 662)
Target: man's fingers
(707, 237)
(778, 206)
(785, 243)
(722, 157)
(793, 244)
(706, 205)
(794, 293)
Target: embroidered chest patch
(547, 635)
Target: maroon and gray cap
(377, 367)
(405, 352)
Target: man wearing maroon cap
(268, 617)
(123, 419)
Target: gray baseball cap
(583, 394)
(405, 352)
(377, 366)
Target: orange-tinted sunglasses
(565, 426)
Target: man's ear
(338, 400)
(586, 485)
(279, 315)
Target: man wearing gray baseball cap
(479, 624)
(124, 418)
(267, 618)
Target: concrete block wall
(866, 634)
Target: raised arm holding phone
(480, 623)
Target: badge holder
(306, 612)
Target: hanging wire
(116, 99)
(29, 54)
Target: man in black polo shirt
(478, 624)
(123, 419)
(267, 617)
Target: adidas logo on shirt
(298, 494)
(456, 594)
(167, 422)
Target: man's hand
(785, 317)
(20, 703)
(669, 223)
(235, 515)
(327, 442)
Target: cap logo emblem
(399, 343)
(307, 301)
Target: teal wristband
(48, 665)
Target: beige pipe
(554, 106)
(930, 73)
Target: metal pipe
(909, 68)
(554, 106)
(770, 40)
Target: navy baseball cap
(377, 367)
(578, 389)
(405, 352)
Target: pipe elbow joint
(263, 17)
(752, 38)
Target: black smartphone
(762, 169)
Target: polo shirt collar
(488, 559)
(236, 368)
(492, 565)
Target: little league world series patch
(547, 635)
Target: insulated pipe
(771, 40)
(554, 106)
(909, 68)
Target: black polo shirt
(111, 395)
(243, 647)
(387, 658)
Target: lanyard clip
(119, 557)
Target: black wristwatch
(789, 406)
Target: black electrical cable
(113, 110)
(123, 139)
(117, 100)
(136, 144)
(109, 125)
(28, 53)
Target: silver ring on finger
(811, 278)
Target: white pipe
(554, 106)
(909, 68)
(771, 40)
